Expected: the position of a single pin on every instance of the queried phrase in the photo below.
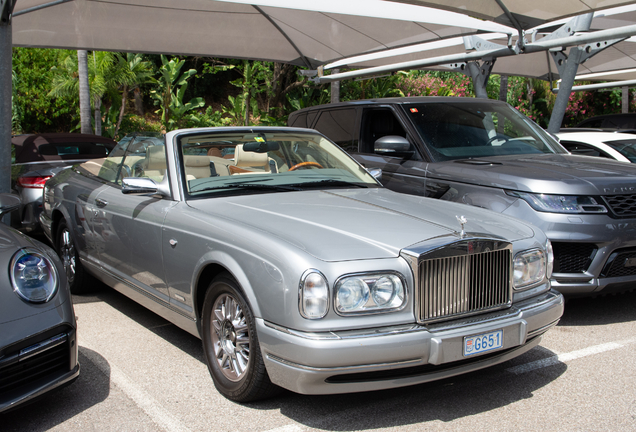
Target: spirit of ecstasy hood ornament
(462, 221)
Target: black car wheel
(75, 273)
(231, 345)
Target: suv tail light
(36, 182)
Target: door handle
(101, 203)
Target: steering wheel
(499, 136)
(305, 164)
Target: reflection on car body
(296, 268)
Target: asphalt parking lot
(141, 373)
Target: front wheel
(231, 345)
(66, 250)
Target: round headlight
(384, 290)
(352, 295)
(33, 276)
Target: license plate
(484, 342)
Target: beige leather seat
(197, 167)
(155, 163)
(251, 162)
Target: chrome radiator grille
(464, 284)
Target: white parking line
(147, 403)
(562, 358)
(287, 428)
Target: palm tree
(138, 71)
(84, 92)
(107, 74)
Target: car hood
(549, 174)
(348, 224)
(12, 307)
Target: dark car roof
(616, 121)
(44, 147)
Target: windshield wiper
(330, 182)
(253, 186)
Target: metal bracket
(580, 23)
(561, 59)
(456, 67)
(478, 44)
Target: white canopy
(528, 13)
(300, 32)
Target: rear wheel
(75, 273)
(231, 345)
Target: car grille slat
(619, 263)
(464, 284)
(54, 360)
(622, 205)
(573, 257)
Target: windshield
(625, 147)
(475, 130)
(266, 160)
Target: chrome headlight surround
(570, 204)
(530, 268)
(369, 293)
(313, 295)
(33, 276)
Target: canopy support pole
(480, 72)
(625, 99)
(568, 66)
(335, 89)
(6, 91)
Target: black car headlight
(571, 204)
(529, 268)
(33, 276)
(369, 293)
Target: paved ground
(140, 373)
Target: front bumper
(389, 357)
(606, 236)
(35, 362)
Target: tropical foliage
(198, 92)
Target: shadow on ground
(591, 311)
(56, 407)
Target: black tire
(231, 345)
(75, 274)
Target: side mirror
(9, 203)
(393, 145)
(376, 173)
(144, 186)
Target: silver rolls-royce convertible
(295, 267)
